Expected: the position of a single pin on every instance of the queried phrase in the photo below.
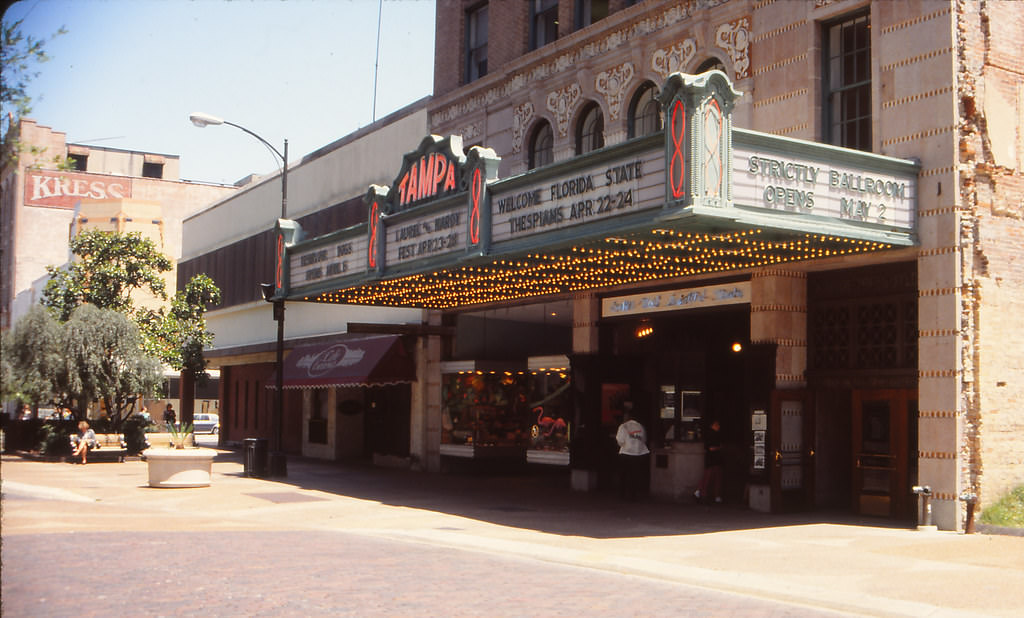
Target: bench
(111, 448)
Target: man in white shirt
(633, 451)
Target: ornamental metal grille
(863, 319)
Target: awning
(354, 360)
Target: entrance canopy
(700, 197)
(352, 361)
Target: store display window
(524, 410)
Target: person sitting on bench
(84, 441)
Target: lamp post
(278, 463)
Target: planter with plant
(179, 465)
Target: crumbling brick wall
(991, 94)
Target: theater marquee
(700, 198)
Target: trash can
(256, 457)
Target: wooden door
(884, 434)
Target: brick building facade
(44, 205)
(940, 83)
(868, 371)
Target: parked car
(206, 423)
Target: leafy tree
(32, 356)
(8, 389)
(105, 361)
(110, 268)
(19, 54)
(97, 355)
(183, 329)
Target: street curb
(992, 529)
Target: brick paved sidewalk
(844, 565)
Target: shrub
(54, 438)
(1008, 511)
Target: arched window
(541, 145)
(644, 111)
(711, 64)
(590, 129)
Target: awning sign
(676, 300)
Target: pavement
(397, 542)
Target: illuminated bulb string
(665, 254)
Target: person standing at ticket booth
(633, 454)
(711, 484)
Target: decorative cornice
(612, 84)
(522, 116)
(673, 59)
(935, 455)
(917, 58)
(569, 61)
(938, 332)
(939, 373)
(778, 31)
(778, 272)
(786, 308)
(917, 20)
(734, 38)
(561, 103)
(917, 97)
(780, 97)
(469, 132)
(913, 137)
(782, 63)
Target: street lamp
(278, 463)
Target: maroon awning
(354, 360)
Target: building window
(645, 112)
(78, 162)
(152, 170)
(848, 82)
(590, 129)
(590, 11)
(711, 64)
(476, 43)
(543, 22)
(541, 146)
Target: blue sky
(128, 73)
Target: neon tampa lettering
(433, 174)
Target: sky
(127, 74)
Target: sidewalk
(840, 563)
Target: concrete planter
(188, 467)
